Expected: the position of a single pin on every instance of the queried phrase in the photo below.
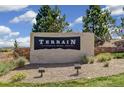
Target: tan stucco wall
(62, 55)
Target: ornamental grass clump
(91, 60)
(18, 77)
(104, 57)
(20, 62)
(5, 67)
(84, 59)
(87, 59)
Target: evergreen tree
(15, 53)
(122, 22)
(50, 20)
(98, 21)
(90, 21)
(15, 45)
(120, 29)
(109, 24)
(120, 32)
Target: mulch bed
(57, 72)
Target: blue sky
(16, 21)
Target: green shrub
(21, 61)
(104, 57)
(5, 67)
(84, 59)
(91, 60)
(5, 50)
(118, 55)
(18, 77)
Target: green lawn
(112, 81)
(5, 67)
(118, 55)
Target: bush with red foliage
(25, 52)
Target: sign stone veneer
(60, 55)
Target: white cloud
(4, 30)
(33, 21)
(116, 9)
(29, 16)
(7, 36)
(7, 31)
(14, 34)
(76, 21)
(4, 43)
(4, 8)
(24, 41)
